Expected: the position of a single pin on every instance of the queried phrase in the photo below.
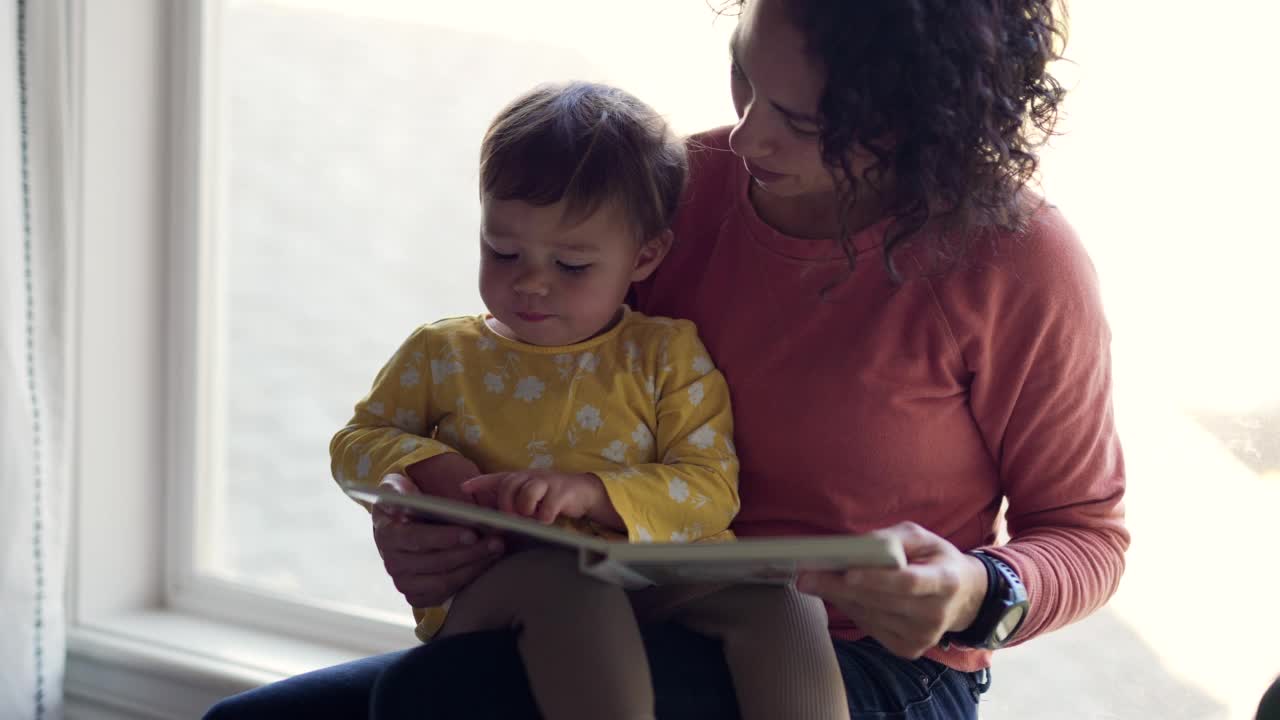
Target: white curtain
(33, 257)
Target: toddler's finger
(550, 508)
(511, 484)
(530, 495)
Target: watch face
(1009, 623)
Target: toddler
(584, 413)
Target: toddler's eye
(502, 257)
(575, 269)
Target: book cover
(767, 560)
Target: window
(348, 149)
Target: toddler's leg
(578, 636)
(778, 650)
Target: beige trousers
(580, 639)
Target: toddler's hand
(541, 494)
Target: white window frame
(147, 636)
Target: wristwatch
(1002, 612)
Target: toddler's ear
(651, 254)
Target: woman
(910, 337)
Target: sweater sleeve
(1033, 334)
(692, 492)
(389, 430)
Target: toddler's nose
(532, 283)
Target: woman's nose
(750, 138)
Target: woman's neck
(815, 215)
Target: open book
(634, 565)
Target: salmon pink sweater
(929, 401)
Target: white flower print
(589, 418)
(588, 362)
(377, 408)
(530, 388)
(493, 383)
(564, 364)
(441, 368)
(540, 458)
(678, 489)
(664, 354)
(472, 434)
(702, 365)
(411, 376)
(486, 343)
(642, 535)
(632, 352)
(696, 393)
(363, 465)
(703, 438)
(681, 536)
(409, 445)
(406, 419)
(642, 437)
(726, 461)
(650, 386)
(616, 451)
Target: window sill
(158, 664)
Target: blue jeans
(480, 676)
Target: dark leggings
(480, 676)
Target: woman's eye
(804, 130)
(573, 269)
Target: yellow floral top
(641, 406)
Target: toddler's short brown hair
(589, 145)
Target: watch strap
(1004, 591)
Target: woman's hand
(909, 609)
(443, 475)
(429, 563)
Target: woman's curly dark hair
(953, 97)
